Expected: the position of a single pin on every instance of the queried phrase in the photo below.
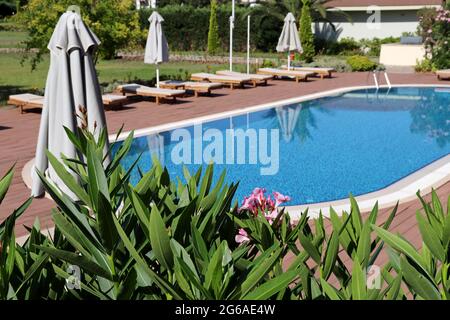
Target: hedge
(186, 27)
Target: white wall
(392, 24)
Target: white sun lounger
(443, 74)
(255, 78)
(157, 93)
(322, 72)
(226, 80)
(298, 75)
(29, 100)
(196, 87)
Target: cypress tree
(306, 35)
(213, 33)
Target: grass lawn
(15, 78)
(12, 39)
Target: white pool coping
(429, 177)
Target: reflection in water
(433, 122)
(296, 120)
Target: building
(372, 18)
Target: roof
(382, 3)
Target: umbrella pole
(248, 44)
(231, 35)
(157, 76)
(289, 60)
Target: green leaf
(97, 179)
(358, 285)
(108, 232)
(430, 237)
(418, 282)
(68, 179)
(162, 283)
(394, 288)
(309, 247)
(272, 287)
(330, 255)
(260, 270)
(329, 291)
(400, 245)
(363, 249)
(78, 260)
(159, 239)
(5, 182)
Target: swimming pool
(355, 142)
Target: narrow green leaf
(273, 286)
(159, 239)
(418, 283)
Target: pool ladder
(376, 75)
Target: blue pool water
(357, 142)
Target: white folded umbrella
(289, 39)
(71, 82)
(156, 49)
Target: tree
(213, 33)
(114, 22)
(306, 35)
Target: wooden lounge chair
(322, 72)
(113, 101)
(29, 100)
(226, 80)
(298, 75)
(144, 91)
(443, 74)
(196, 87)
(255, 78)
(26, 100)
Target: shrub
(213, 33)
(426, 20)
(424, 65)
(114, 22)
(186, 27)
(372, 47)
(361, 63)
(438, 40)
(306, 35)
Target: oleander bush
(435, 29)
(361, 63)
(169, 239)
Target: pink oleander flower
(280, 198)
(258, 201)
(242, 236)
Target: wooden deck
(18, 134)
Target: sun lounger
(443, 74)
(226, 80)
(157, 93)
(298, 75)
(322, 72)
(255, 78)
(196, 87)
(112, 101)
(28, 100)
